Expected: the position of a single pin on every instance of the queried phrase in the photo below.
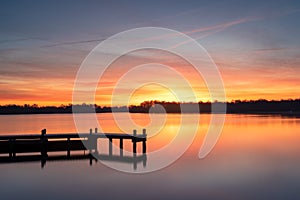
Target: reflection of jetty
(45, 143)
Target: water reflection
(256, 157)
(43, 159)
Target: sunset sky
(255, 44)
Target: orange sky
(249, 79)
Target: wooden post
(68, 147)
(110, 146)
(144, 141)
(14, 147)
(134, 150)
(121, 147)
(89, 142)
(134, 142)
(43, 143)
(95, 142)
(10, 148)
(43, 132)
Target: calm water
(256, 157)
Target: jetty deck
(15, 146)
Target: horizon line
(153, 101)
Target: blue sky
(61, 21)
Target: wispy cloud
(222, 26)
(210, 30)
(14, 40)
(275, 49)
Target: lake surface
(256, 157)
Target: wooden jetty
(12, 145)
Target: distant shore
(288, 107)
(283, 114)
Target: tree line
(237, 106)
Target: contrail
(215, 28)
(15, 40)
(74, 42)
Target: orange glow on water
(249, 135)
